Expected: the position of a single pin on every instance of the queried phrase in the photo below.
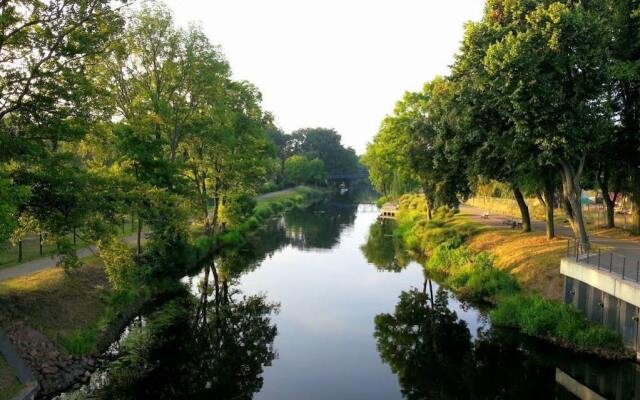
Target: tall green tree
(552, 80)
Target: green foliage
(537, 316)
(325, 145)
(300, 170)
(481, 280)
(81, 342)
(119, 263)
(239, 208)
(68, 258)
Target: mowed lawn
(532, 258)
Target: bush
(481, 280)
(448, 259)
(239, 208)
(81, 342)
(537, 316)
(119, 263)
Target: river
(324, 304)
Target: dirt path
(627, 248)
(270, 195)
(48, 262)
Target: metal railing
(624, 266)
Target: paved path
(48, 262)
(627, 252)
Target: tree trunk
(524, 209)
(548, 205)
(603, 181)
(139, 244)
(540, 197)
(214, 213)
(430, 204)
(572, 192)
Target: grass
(9, 383)
(532, 258)
(285, 194)
(65, 307)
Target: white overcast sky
(340, 64)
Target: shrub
(507, 313)
(598, 336)
(448, 259)
(537, 316)
(119, 263)
(481, 280)
(81, 342)
(239, 208)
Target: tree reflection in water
(433, 353)
(383, 249)
(320, 226)
(214, 345)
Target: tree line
(543, 96)
(109, 110)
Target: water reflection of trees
(434, 356)
(383, 249)
(319, 227)
(315, 228)
(211, 345)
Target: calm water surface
(329, 297)
(325, 304)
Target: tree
(299, 170)
(325, 144)
(48, 104)
(387, 160)
(417, 145)
(551, 77)
(486, 128)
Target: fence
(627, 267)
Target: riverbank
(9, 383)
(60, 322)
(482, 264)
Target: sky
(339, 64)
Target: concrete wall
(604, 298)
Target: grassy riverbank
(481, 264)
(9, 383)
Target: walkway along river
(325, 305)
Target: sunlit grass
(531, 257)
(62, 306)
